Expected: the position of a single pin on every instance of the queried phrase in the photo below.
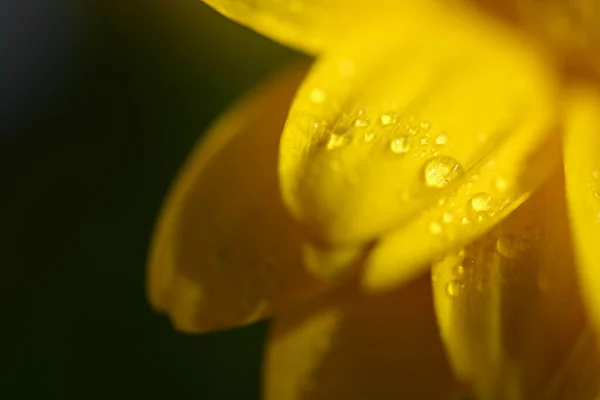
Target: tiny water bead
(388, 119)
(337, 140)
(362, 121)
(440, 171)
(480, 202)
(595, 184)
(400, 145)
(441, 139)
(455, 288)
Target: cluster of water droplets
(400, 135)
(470, 267)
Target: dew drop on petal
(441, 139)
(336, 141)
(595, 184)
(400, 145)
(480, 202)
(362, 121)
(440, 171)
(454, 288)
(508, 245)
(369, 136)
(387, 119)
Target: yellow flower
(428, 136)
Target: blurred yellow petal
(394, 119)
(225, 251)
(579, 376)
(348, 346)
(508, 305)
(308, 25)
(570, 26)
(582, 169)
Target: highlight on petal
(349, 346)
(509, 305)
(395, 119)
(225, 250)
(582, 170)
(308, 25)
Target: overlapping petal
(509, 304)
(570, 27)
(582, 168)
(420, 107)
(349, 346)
(309, 25)
(225, 250)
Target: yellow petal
(579, 377)
(582, 170)
(308, 25)
(508, 305)
(570, 26)
(225, 251)
(395, 118)
(348, 346)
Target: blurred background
(100, 102)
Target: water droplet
(480, 202)
(317, 95)
(369, 136)
(508, 245)
(595, 184)
(361, 120)
(388, 119)
(458, 270)
(448, 217)
(435, 228)
(440, 171)
(400, 145)
(441, 139)
(425, 126)
(454, 288)
(335, 141)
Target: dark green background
(82, 182)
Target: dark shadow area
(83, 173)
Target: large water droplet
(440, 171)
(400, 145)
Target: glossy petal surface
(582, 168)
(308, 25)
(348, 346)
(225, 250)
(509, 305)
(394, 119)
